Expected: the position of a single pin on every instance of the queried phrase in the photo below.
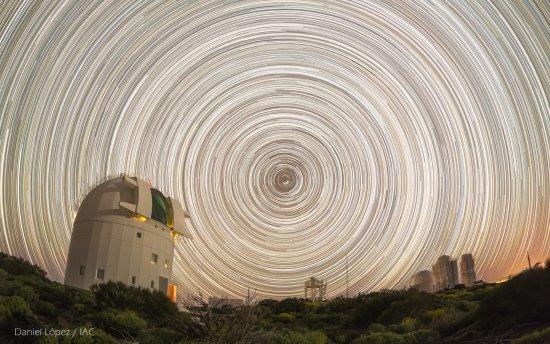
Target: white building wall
(116, 249)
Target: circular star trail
(347, 140)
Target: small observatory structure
(315, 289)
(423, 281)
(125, 231)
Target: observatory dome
(124, 231)
(423, 281)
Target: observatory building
(125, 231)
(467, 270)
(445, 273)
(423, 281)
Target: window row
(100, 274)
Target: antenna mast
(347, 277)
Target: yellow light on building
(141, 218)
(175, 235)
(172, 292)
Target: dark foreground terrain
(34, 309)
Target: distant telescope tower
(125, 231)
(445, 273)
(315, 289)
(467, 270)
(423, 281)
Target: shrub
(323, 320)
(380, 338)
(369, 307)
(535, 337)
(342, 304)
(285, 317)
(374, 328)
(18, 266)
(27, 293)
(44, 308)
(296, 337)
(158, 336)
(120, 323)
(443, 318)
(98, 337)
(524, 298)
(56, 294)
(182, 323)
(84, 297)
(312, 306)
(290, 305)
(152, 305)
(3, 274)
(14, 312)
(14, 306)
(408, 324)
(422, 337)
(7, 287)
(412, 304)
(269, 303)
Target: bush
(3, 274)
(14, 306)
(98, 337)
(14, 312)
(310, 306)
(120, 323)
(27, 293)
(323, 320)
(536, 337)
(269, 303)
(422, 337)
(182, 323)
(44, 308)
(55, 294)
(290, 305)
(380, 338)
(368, 308)
(154, 306)
(374, 328)
(284, 317)
(17, 266)
(524, 298)
(408, 324)
(158, 336)
(412, 304)
(296, 337)
(443, 318)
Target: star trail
(298, 134)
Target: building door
(163, 285)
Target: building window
(138, 234)
(154, 258)
(133, 280)
(152, 284)
(100, 274)
(82, 269)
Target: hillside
(34, 309)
